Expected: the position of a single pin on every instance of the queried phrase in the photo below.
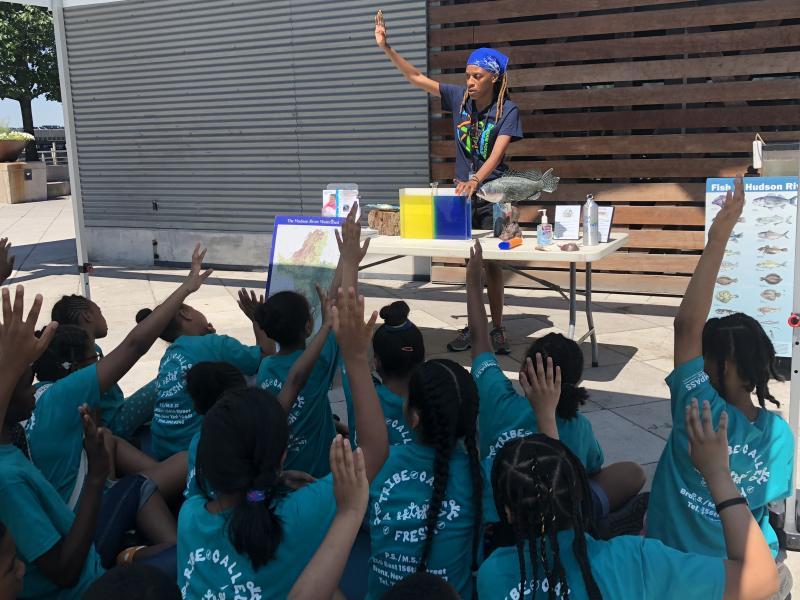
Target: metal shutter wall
(226, 114)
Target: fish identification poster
(757, 273)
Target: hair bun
(395, 314)
(143, 314)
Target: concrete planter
(11, 149)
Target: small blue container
(452, 216)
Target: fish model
(725, 296)
(724, 311)
(773, 201)
(770, 264)
(719, 201)
(773, 235)
(727, 266)
(770, 295)
(771, 249)
(735, 237)
(515, 186)
(724, 280)
(774, 220)
(765, 310)
(772, 279)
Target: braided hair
(566, 353)
(545, 489)
(740, 339)
(398, 343)
(69, 309)
(243, 439)
(500, 95)
(444, 395)
(66, 350)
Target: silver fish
(517, 186)
(724, 311)
(735, 237)
(767, 309)
(769, 322)
(771, 249)
(731, 252)
(774, 220)
(773, 235)
(727, 266)
(772, 201)
(770, 264)
(719, 200)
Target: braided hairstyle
(445, 397)
(740, 339)
(545, 489)
(243, 440)
(500, 95)
(566, 353)
(398, 343)
(67, 348)
(69, 309)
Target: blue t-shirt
(505, 415)
(174, 419)
(761, 455)
(192, 489)
(399, 497)
(311, 426)
(398, 429)
(210, 567)
(469, 159)
(624, 567)
(38, 519)
(55, 431)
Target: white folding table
(396, 247)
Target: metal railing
(54, 156)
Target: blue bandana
(489, 60)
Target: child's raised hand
(19, 346)
(349, 242)
(95, 445)
(729, 214)
(6, 261)
(380, 30)
(350, 485)
(197, 276)
(248, 302)
(542, 386)
(475, 266)
(707, 448)
(352, 333)
(325, 305)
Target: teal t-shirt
(311, 427)
(192, 489)
(399, 497)
(174, 420)
(761, 455)
(38, 519)
(209, 566)
(505, 415)
(400, 432)
(624, 567)
(110, 402)
(55, 432)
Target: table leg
(589, 318)
(573, 283)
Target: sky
(44, 113)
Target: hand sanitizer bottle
(591, 229)
(544, 232)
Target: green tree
(28, 65)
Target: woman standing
(485, 122)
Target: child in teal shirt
(398, 349)
(286, 318)
(723, 361)
(426, 502)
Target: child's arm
(696, 304)
(354, 337)
(321, 576)
(304, 365)
(63, 563)
(248, 303)
(351, 252)
(543, 390)
(19, 346)
(476, 311)
(112, 367)
(750, 572)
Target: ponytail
(242, 443)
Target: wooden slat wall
(636, 101)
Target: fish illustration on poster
(757, 274)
